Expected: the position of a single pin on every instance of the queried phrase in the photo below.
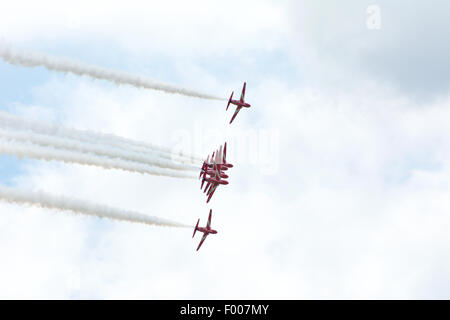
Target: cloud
(176, 27)
(356, 181)
(407, 52)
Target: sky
(341, 166)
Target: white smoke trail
(85, 147)
(10, 121)
(22, 149)
(31, 59)
(43, 200)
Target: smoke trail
(7, 120)
(43, 200)
(85, 147)
(48, 153)
(30, 59)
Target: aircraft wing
(207, 186)
(203, 170)
(211, 193)
(203, 181)
(217, 173)
(212, 187)
(201, 241)
(225, 153)
(235, 114)
(243, 92)
(208, 225)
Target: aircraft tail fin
(203, 179)
(196, 226)
(201, 170)
(229, 100)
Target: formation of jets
(212, 170)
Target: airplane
(206, 231)
(220, 160)
(206, 164)
(208, 184)
(216, 179)
(208, 169)
(224, 157)
(211, 192)
(239, 103)
(212, 171)
(215, 175)
(221, 166)
(210, 188)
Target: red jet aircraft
(213, 173)
(216, 176)
(213, 183)
(220, 160)
(206, 231)
(208, 167)
(212, 188)
(214, 170)
(239, 103)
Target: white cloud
(197, 27)
(406, 53)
